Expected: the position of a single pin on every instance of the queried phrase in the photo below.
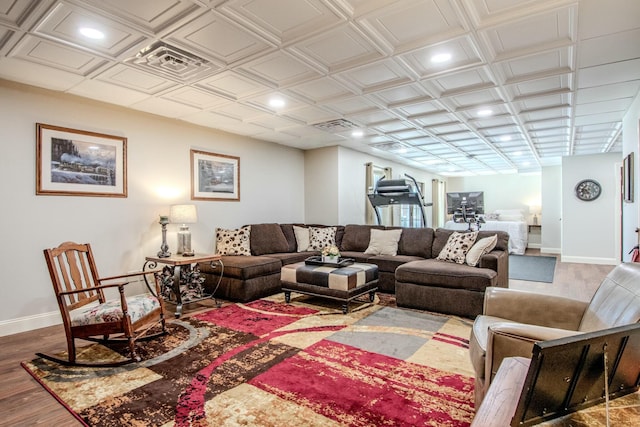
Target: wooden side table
(177, 262)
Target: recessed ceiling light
(485, 112)
(276, 102)
(91, 33)
(518, 153)
(440, 58)
(358, 133)
(505, 138)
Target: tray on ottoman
(338, 283)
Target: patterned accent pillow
(321, 237)
(457, 247)
(233, 242)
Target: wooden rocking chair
(86, 314)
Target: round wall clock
(588, 190)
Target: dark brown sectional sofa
(414, 275)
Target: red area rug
(268, 363)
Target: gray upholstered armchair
(513, 320)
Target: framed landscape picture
(72, 162)
(214, 176)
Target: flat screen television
(471, 200)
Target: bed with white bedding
(506, 220)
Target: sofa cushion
(321, 237)
(302, 238)
(416, 242)
(479, 248)
(356, 237)
(383, 242)
(431, 272)
(458, 244)
(287, 230)
(267, 239)
(233, 242)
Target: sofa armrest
(509, 339)
(497, 261)
(533, 308)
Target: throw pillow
(321, 237)
(481, 247)
(457, 247)
(268, 239)
(383, 242)
(302, 238)
(233, 242)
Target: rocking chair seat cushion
(110, 311)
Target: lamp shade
(183, 214)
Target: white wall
(511, 191)
(551, 219)
(591, 230)
(338, 178)
(322, 179)
(631, 211)
(122, 231)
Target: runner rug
(268, 363)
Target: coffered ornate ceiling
(456, 87)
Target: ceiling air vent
(338, 125)
(171, 60)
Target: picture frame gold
(215, 176)
(73, 162)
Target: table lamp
(184, 214)
(535, 210)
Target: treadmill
(397, 192)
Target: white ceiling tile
(122, 75)
(598, 51)
(37, 75)
(64, 22)
(62, 57)
(540, 65)
(311, 115)
(195, 97)
(279, 69)
(610, 107)
(337, 49)
(375, 77)
(285, 20)
(320, 90)
(353, 105)
(152, 15)
(164, 107)
(469, 80)
(408, 24)
(598, 18)
(464, 54)
(231, 42)
(605, 92)
(534, 33)
(609, 73)
(106, 92)
(233, 85)
(274, 123)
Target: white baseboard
(588, 260)
(29, 323)
(557, 251)
(534, 245)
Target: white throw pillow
(479, 248)
(302, 238)
(383, 242)
(457, 247)
(321, 237)
(233, 242)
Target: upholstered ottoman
(338, 283)
(443, 287)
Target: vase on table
(332, 259)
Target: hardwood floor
(23, 402)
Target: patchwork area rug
(532, 268)
(267, 363)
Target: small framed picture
(71, 162)
(214, 176)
